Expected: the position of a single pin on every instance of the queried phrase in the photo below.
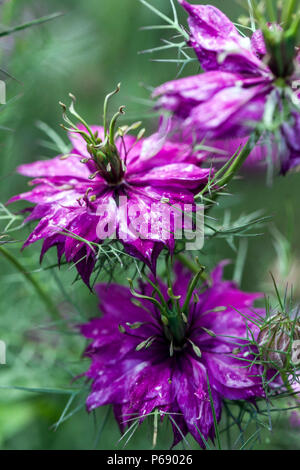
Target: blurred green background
(87, 51)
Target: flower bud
(277, 341)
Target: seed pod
(276, 341)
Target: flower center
(103, 151)
(174, 316)
(175, 329)
(108, 162)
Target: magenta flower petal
(234, 382)
(190, 386)
(123, 300)
(180, 96)
(258, 43)
(175, 175)
(217, 42)
(171, 151)
(225, 112)
(71, 196)
(229, 99)
(56, 167)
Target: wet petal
(232, 378)
(178, 175)
(217, 42)
(55, 167)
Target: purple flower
(145, 360)
(73, 195)
(242, 87)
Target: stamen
(141, 134)
(135, 326)
(209, 332)
(87, 193)
(196, 349)
(184, 317)
(74, 113)
(191, 289)
(93, 176)
(145, 344)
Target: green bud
(134, 326)
(276, 339)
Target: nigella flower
(247, 84)
(74, 195)
(175, 353)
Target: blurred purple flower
(69, 194)
(138, 367)
(295, 419)
(295, 414)
(230, 99)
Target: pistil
(103, 151)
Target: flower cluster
(179, 346)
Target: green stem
(43, 295)
(288, 12)
(271, 11)
(177, 328)
(188, 263)
(192, 266)
(251, 13)
(157, 290)
(239, 161)
(113, 125)
(231, 167)
(172, 23)
(191, 289)
(38, 21)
